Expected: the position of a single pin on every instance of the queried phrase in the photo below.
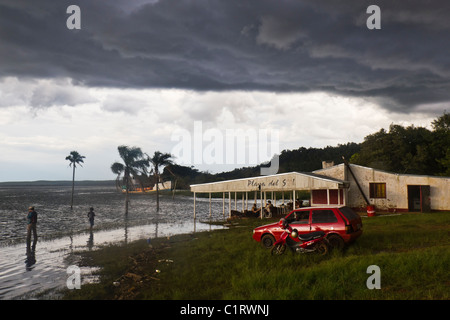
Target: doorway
(419, 198)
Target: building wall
(396, 187)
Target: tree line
(412, 150)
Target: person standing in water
(31, 226)
(91, 216)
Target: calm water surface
(28, 274)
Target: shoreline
(28, 275)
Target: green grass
(412, 251)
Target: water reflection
(45, 266)
(90, 242)
(62, 235)
(30, 261)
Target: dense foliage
(413, 150)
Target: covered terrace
(323, 190)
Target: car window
(323, 216)
(349, 213)
(300, 217)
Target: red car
(341, 223)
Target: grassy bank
(412, 251)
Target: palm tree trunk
(174, 187)
(157, 194)
(126, 195)
(126, 202)
(73, 186)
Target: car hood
(270, 225)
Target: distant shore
(58, 183)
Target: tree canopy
(413, 150)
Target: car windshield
(349, 213)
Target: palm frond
(75, 158)
(117, 168)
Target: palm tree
(158, 161)
(133, 165)
(75, 158)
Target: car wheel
(336, 242)
(267, 241)
(278, 249)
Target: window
(377, 190)
(299, 217)
(319, 196)
(323, 216)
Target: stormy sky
(139, 72)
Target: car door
(323, 220)
(301, 221)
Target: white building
(389, 191)
(351, 185)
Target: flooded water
(34, 274)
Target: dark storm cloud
(244, 44)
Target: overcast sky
(146, 72)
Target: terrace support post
(261, 211)
(246, 200)
(194, 205)
(223, 205)
(274, 199)
(293, 200)
(210, 205)
(229, 204)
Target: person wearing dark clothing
(31, 226)
(268, 209)
(255, 210)
(91, 216)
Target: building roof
(318, 171)
(278, 182)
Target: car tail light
(348, 229)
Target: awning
(278, 182)
(283, 182)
